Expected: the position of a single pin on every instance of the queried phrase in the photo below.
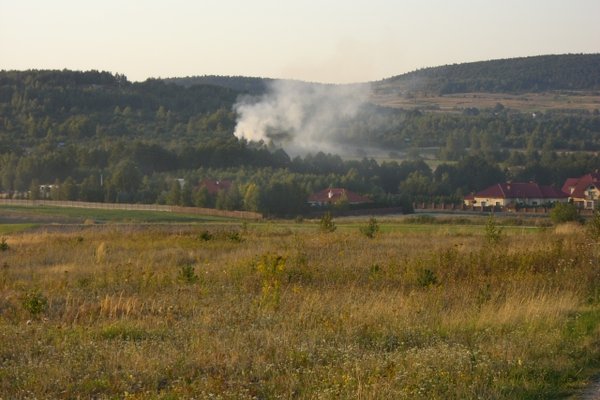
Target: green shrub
(426, 278)
(493, 233)
(35, 302)
(3, 245)
(371, 229)
(564, 212)
(593, 226)
(187, 274)
(205, 236)
(327, 224)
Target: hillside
(99, 137)
(513, 75)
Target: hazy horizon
(328, 42)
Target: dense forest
(526, 74)
(96, 136)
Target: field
(226, 309)
(527, 102)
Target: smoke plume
(300, 117)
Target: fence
(138, 207)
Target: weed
(493, 233)
(271, 268)
(206, 236)
(35, 303)
(426, 278)
(3, 244)
(327, 224)
(371, 229)
(187, 274)
(234, 236)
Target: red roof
(334, 195)
(518, 190)
(580, 185)
(214, 186)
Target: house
(584, 192)
(336, 196)
(215, 186)
(516, 193)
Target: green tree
(34, 190)
(174, 194)
(252, 198)
(564, 212)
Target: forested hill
(243, 84)
(71, 106)
(513, 75)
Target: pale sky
(325, 41)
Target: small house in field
(334, 196)
(214, 186)
(516, 194)
(584, 192)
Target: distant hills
(512, 75)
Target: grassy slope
(162, 313)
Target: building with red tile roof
(215, 186)
(336, 196)
(516, 193)
(584, 192)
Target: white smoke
(300, 117)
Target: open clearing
(227, 309)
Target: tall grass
(273, 313)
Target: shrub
(187, 274)
(493, 233)
(271, 267)
(206, 236)
(327, 224)
(426, 278)
(371, 229)
(593, 226)
(35, 302)
(3, 245)
(564, 212)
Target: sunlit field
(285, 310)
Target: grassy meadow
(283, 310)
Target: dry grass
(163, 313)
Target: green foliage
(187, 274)
(327, 224)
(35, 303)
(564, 212)
(493, 232)
(593, 226)
(205, 236)
(271, 268)
(371, 229)
(426, 278)
(3, 244)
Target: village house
(333, 196)
(584, 192)
(214, 186)
(511, 194)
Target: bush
(187, 274)
(564, 212)
(327, 224)
(371, 229)
(493, 233)
(35, 302)
(593, 226)
(426, 278)
(3, 245)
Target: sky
(331, 41)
